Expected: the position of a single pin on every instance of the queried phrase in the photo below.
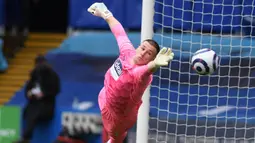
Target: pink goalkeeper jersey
(124, 83)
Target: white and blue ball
(205, 61)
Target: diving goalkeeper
(127, 79)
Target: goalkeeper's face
(145, 53)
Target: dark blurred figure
(17, 15)
(41, 91)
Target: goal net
(186, 107)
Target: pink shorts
(115, 126)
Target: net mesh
(186, 107)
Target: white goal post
(146, 33)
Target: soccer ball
(205, 61)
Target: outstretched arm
(100, 10)
(118, 31)
(113, 22)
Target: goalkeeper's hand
(164, 56)
(100, 10)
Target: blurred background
(80, 48)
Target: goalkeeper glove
(164, 56)
(100, 10)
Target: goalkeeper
(127, 79)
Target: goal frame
(146, 33)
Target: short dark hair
(154, 44)
(40, 59)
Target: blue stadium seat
(79, 17)
(3, 62)
(133, 13)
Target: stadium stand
(19, 67)
(82, 59)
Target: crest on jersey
(116, 69)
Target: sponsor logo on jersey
(116, 69)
